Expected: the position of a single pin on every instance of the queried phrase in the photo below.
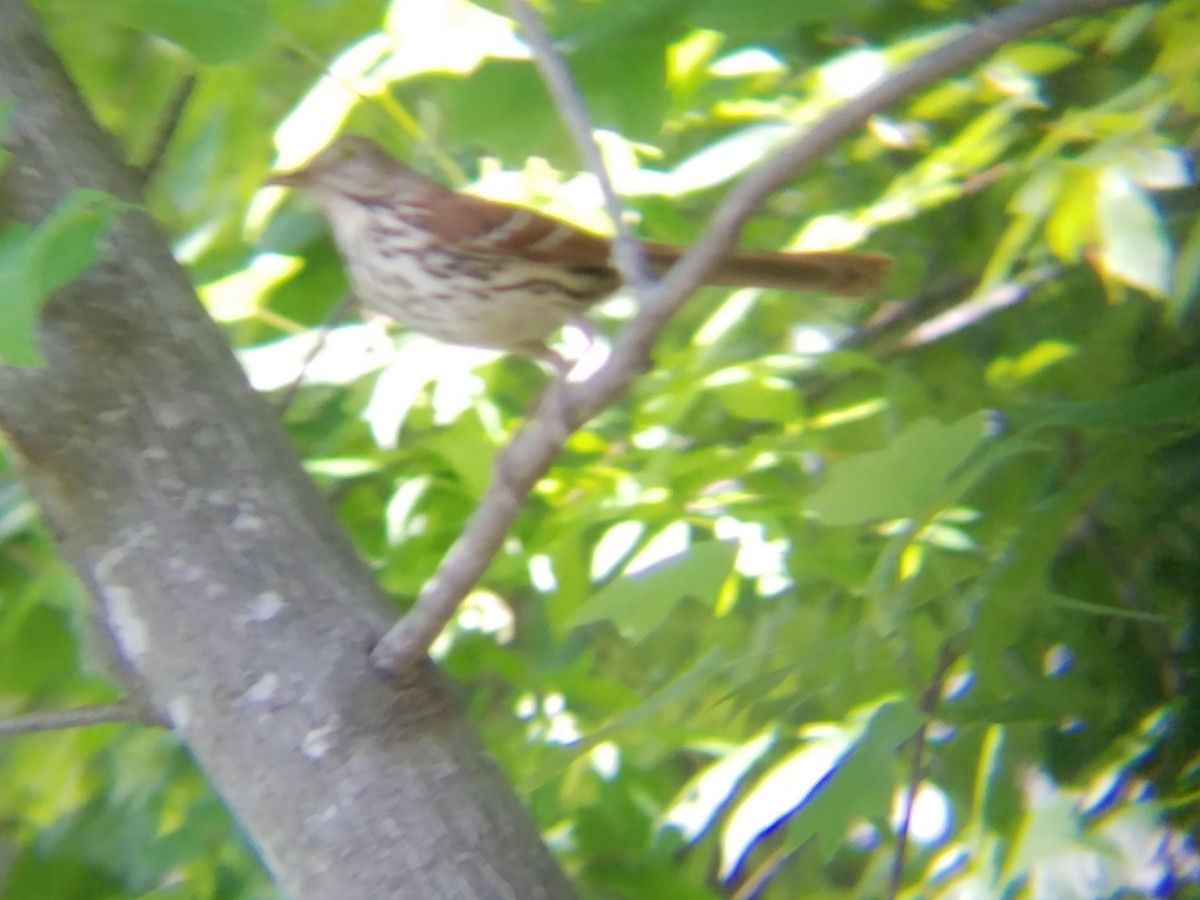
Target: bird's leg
(539, 352)
(561, 365)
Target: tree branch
(930, 698)
(234, 597)
(565, 407)
(978, 307)
(627, 249)
(72, 718)
(165, 132)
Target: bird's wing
(488, 227)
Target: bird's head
(353, 166)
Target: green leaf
(746, 15)
(1013, 591)
(19, 307)
(38, 647)
(1172, 398)
(214, 31)
(64, 245)
(7, 105)
(683, 687)
(1134, 247)
(1071, 227)
(749, 395)
(901, 479)
(637, 604)
(1038, 57)
(34, 263)
(1187, 273)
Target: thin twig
(750, 193)
(1113, 558)
(72, 718)
(929, 705)
(965, 313)
(566, 406)
(872, 335)
(758, 880)
(167, 128)
(396, 113)
(336, 315)
(627, 250)
(893, 316)
(977, 307)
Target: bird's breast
(398, 268)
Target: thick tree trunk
(236, 602)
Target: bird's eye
(347, 150)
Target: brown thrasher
(471, 271)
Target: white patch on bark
(170, 416)
(263, 690)
(179, 712)
(324, 817)
(247, 520)
(184, 572)
(265, 607)
(320, 741)
(128, 629)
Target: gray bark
(236, 602)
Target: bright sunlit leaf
(1071, 227)
(1158, 168)
(320, 113)
(838, 774)
(1134, 247)
(448, 36)
(715, 164)
(239, 295)
(754, 61)
(697, 805)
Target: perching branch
(233, 599)
(565, 407)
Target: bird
(467, 270)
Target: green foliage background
(709, 643)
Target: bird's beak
(297, 178)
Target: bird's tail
(842, 273)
